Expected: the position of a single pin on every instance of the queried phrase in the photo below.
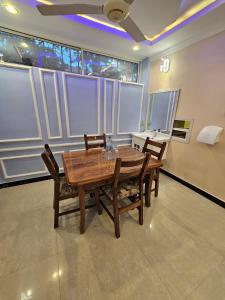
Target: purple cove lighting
(32, 3)
(99, 26)
(85, 22)
(124, 35)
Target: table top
(91, 166)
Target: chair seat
(66, 189)
(127, 189)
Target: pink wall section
(199, 71)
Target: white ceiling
(148, 15)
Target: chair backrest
(50, 165)
(130, 164)
(51, 156)
(160, 146)
(96, 141)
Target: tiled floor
(178, 254)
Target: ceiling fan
(116, 11)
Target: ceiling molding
(187, 43)
(75, 34)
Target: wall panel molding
(15, 149)
(113, 105)
(34, 98)
(20, 148)
(44, 99)
(5, 174)
(121, 83)
(65, 94)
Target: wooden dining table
(89, 169)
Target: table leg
(81, 194)
(148, 186)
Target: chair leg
(157, 183)
(54, 199)
(148, 188)
(141, 209)
(116, 218)
(98, 201)
(141, 218)
(56, 213)
(117, 226)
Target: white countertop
(160, 137)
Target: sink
(160, 137)
(138, 139)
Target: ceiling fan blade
(69, 9)
(129, 1)
(132, 29)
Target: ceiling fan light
(116, 10)
(116, 15)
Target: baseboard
(26, 181)
(194, 188)
(185, 183)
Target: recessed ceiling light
(24, 45)
(136, 48)
(11, 9)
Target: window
(39, 53)
(100, 65)
(128, 71)
(161, 111)
(45, 54)
(104, 66)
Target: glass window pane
(50, 56)
(45, 54)
(16, 49)
(100, 65)
(76, 59)
(128, 71)
(66, 59)
(104, 66)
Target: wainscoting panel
(82, 104)
(19, 116)
(50, 97)
(109, 105)
(20, 166)
(39, 106)
(129, 107)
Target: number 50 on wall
(165, 65)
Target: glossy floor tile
(212, 287)
(39, 280)
(179, 252)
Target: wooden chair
(56, 166)
(51, 156)
(124, 186)
(62, 189)
(96, 141)
(158, 155)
